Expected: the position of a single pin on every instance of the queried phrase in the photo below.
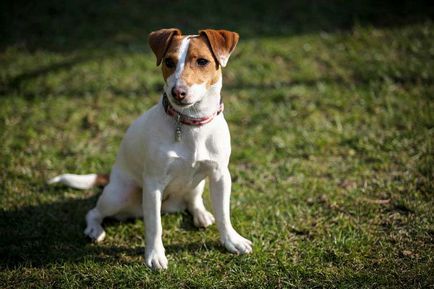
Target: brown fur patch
(172, 52)
(222, 43)
(195, 74)
(102, 180)
(159, 41)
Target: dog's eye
(202, 62)
(169, 63)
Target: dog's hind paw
(95, 232)
(203, 219)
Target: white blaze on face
(173, 79)
(182, 55)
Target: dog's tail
(81, 181)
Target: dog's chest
(188, 166)
(185, 176)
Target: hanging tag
(178, 128)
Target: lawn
(331, 110)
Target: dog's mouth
(181, 103)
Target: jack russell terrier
(169, 151)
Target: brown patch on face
(172, 54)
(194, 72)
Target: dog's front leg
(155, 257)
(220, 185)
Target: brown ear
(159, 41)
(222, 43)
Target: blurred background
(71, 25)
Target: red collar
(185, 119)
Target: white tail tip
(75, 181)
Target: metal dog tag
(178, 130)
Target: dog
(169, 151)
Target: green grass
(331, 110)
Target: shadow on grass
(15, 83)
(52, 233)
(60, 25)
(44, 234)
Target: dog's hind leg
(201, 217)
(120, 197)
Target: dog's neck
(185, 119)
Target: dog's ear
(222, 43)
(159, 41)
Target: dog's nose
(179, 92)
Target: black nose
(179, 92)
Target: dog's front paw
(155, 258)
(235, 243)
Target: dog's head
(192, 64)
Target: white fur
(76, 181)
(182, 55)
(153, 174)
(175, 79)
(223, 60)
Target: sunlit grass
(332, 164)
